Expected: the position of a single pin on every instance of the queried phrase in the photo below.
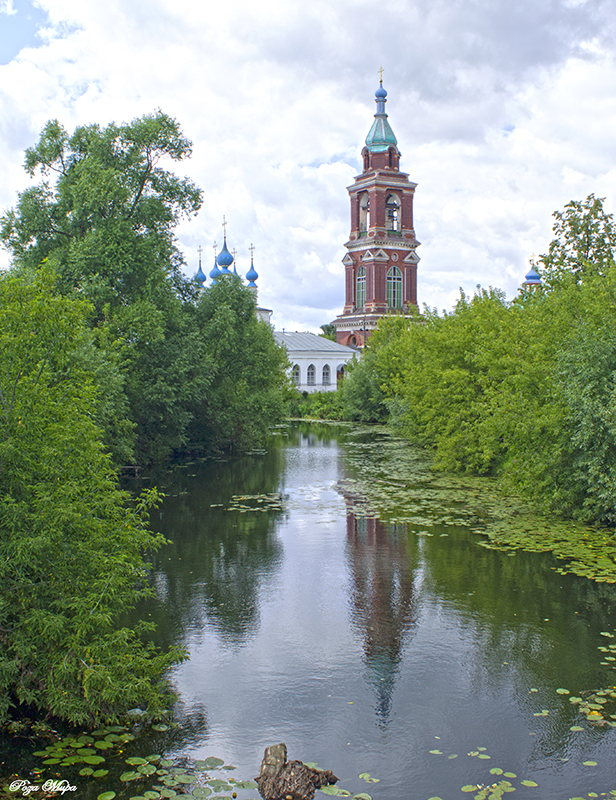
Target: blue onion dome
(380, 93)
(215, 272)
(252, 275)
(225, 259)
(199, 275)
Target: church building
(381, 259)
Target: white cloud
(503, 111)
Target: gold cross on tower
(199, 250)
(252, 250)
(224, 225)
(381, 71)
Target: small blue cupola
(252, 274)
(199, 274)
(532, 277)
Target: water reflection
(211, 573)
(383, 600)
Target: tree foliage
(584, 244)
(106, 219)
(71, 545)
(249, 387)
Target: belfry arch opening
(364, 212)
(392, 208)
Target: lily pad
(212, 762)
(130, 776)
(563, 691)
(106, 796)
(590, 763)
(529, 783)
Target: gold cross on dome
(215, 248)
(381, 71)
(224, 225)
(252, 250)
(532, 260)
(199, 250)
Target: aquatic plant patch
(395, 481)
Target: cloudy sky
(504, 111)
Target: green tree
(249, 386)
(71, 545)
(584, 243)
(104, 216)
(106, 220)
(329, 332)
(362, 397)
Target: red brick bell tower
(381, 260)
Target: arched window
(394, 288)
(295, 374)
(392, 206)
(364, 212)
(360, 291)
(327, 374)
(311, 375)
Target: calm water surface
(363, 644)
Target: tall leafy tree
(584, 243)
(105, 210)
(249, 387)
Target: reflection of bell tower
(383, 599)
(381, 262)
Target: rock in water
(280, 779)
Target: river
(399, 649)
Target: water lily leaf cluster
(256, 502)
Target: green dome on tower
(380, 137)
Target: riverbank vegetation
(108, 357)
(522, 390)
